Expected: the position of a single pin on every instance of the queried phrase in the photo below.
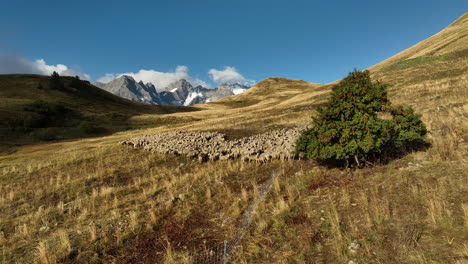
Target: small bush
(77, 83)
(348, 129)
(33, 120)
(46, 134)
(44, 114)
(55, 82)
(46, 108)
(89, 128)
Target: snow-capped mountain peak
(235, 88)
(181, 92)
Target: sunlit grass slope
(450, 39)
(94, 201)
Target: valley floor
(94, 201)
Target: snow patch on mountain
(239, 89)
(191, 97)
(181, 92)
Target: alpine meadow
(372, 168)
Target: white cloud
(49, 69)
(17, 64)
(196, 82)
(60, 69)
(160, 79)
(228, 75)
(107, 78)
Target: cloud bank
(228, 75)
(159, 79)
(17, 64)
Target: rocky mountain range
(181, 92)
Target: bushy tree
(77, 83)
(44, 114)
(55, 82)
(348, 127)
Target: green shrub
(89, 128)
(44, 114)
(55, 82)
(45, 108)
(77, 83)
(347, 128)
(33, 120)
(46, 134)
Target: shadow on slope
(31, 111)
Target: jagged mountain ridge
(181, 92)
(126, 87)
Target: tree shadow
(415, 146)
(376, 159)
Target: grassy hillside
(30, 111)
(271, 103)
(94, 201)
(450, 39)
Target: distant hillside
(270, 90)
(31, 111)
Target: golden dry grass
(94, 201)
(450, 39)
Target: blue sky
(317, 41)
